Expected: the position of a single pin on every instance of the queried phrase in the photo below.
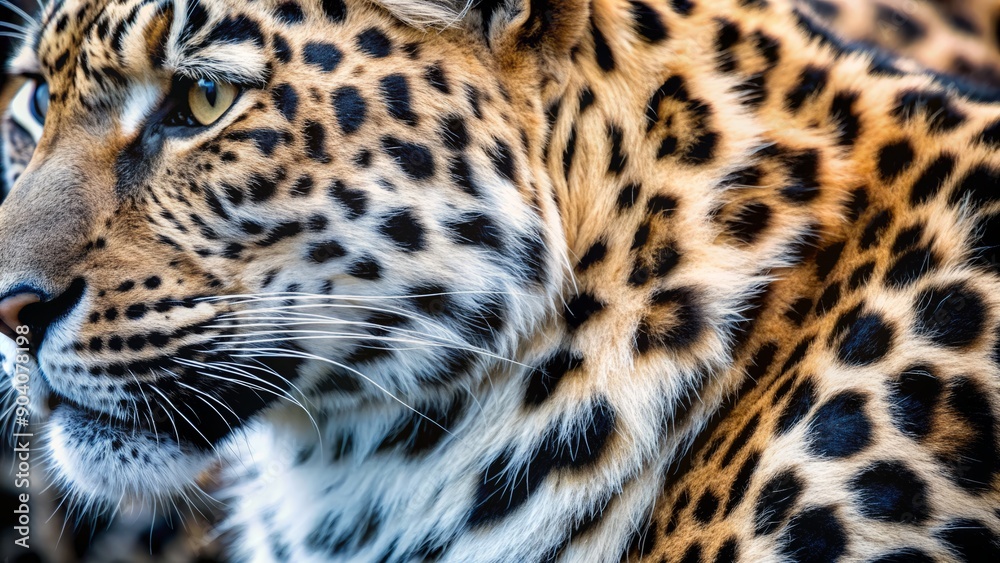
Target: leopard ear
(551, 27)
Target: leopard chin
(99, 460)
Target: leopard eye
(40, 101)
(208, 100)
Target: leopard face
(361, 218)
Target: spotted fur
(563, 280)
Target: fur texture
(518, 281)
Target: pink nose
(10, 310)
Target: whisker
(282, 353)
(17, 10)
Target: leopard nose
(10, 311)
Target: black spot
(861, 275)
(569, 152)
(682, 7)
(894, 159)
(981, 185)
(798, 353)
(814, 536)
(777, 497)
(740, 441)
(374, 43)
(951, 316)
(335, 10)
(458, 169)
(706, 507)
(476, 229)
(322, 252)
(858, 204)
(627, 197)
(503, 160)
(281, 49)
(840, 427)
(970, 540)
(846, 119)
(454, 133)
(875, 229)
(991, 135)
(798, 310)
(266, 140)
(326, 56)
(741, 484)
(586, 99)
(692, 554)
(890, 491)
(660, 204)
(686, 328)
(930, 181)
(798, 406)
(985, 242)
(910, 267)
(811, 83)
(827, 259)
(605, 58)
(769, 48)
(437, 78)
(702, 148)
(618, 159)
(975, 460)
(673, 87)
(912, 399)
(580, 308)
(136, 312)
(289, 13)
(473, 95)
(937, 110)
(727, 36)
(286, 100)
(648, 22)
(236, 29)
(543, 380)
(869, 338)
(355, 202)
(414, 159)
(405, 230)
(315, 136)
(395, 91)
(907, 238)
(350, 108)
(594, 254)
(367, 268)
(261, 188)
(505, 486)
(416, 433)
(280, 232)
(727, 552)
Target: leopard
(547, 280)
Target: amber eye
(209, 99)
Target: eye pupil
(210, 90)
(40, 101)
(208, 100)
